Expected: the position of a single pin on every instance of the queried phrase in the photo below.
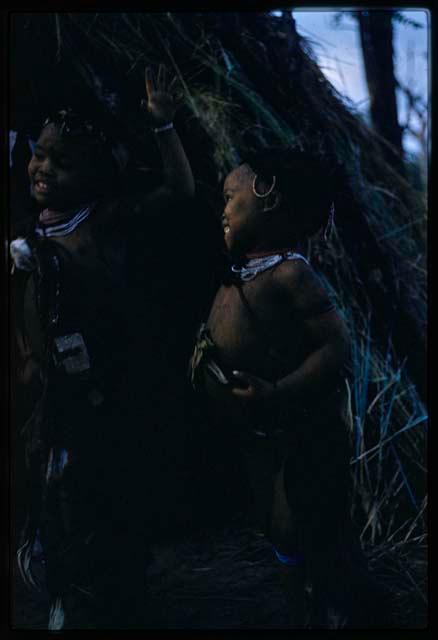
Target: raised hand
(161, 102)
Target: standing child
(272, 360)
(78, 355)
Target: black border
(5, 355)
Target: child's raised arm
(178, 181)
(161, 106)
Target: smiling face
(243, 216)
(60, 170)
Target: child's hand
(161, 102)
(251, 387)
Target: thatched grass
(236, 94)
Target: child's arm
(178, 177)
(325, 333)
(324, 366)
(25, 362)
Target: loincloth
(206, 361)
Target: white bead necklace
(254, 266)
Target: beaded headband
(70, 123)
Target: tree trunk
(376, 36)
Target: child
(272, 360)
(78, 348)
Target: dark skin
(62, 177)
(314, 346)
(317, 346)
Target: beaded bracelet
(165, 127)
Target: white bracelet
(165, 127)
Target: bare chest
(249, 325)
(79, 246)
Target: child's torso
(92, 295)
(254, 330)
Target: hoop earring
(269, 191)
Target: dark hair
(308, 183)
(102, 149)
(72, 124)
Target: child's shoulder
(297, 280)
(294, 273)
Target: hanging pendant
(71, 353)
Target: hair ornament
(71, 123)
(330, 223)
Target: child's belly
(264, 343)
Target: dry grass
(229, 106)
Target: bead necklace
(254, 266)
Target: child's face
(59, 170)
(243, 213)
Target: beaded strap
(165, 127)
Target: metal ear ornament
(330, 223)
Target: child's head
(275, 199)
(71, 163)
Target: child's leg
(314, 492)
(64, 529)
(317, 487)
(121, 553)
(271, 514)
(288, 550)
(120, 588)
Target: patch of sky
(335, 40)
